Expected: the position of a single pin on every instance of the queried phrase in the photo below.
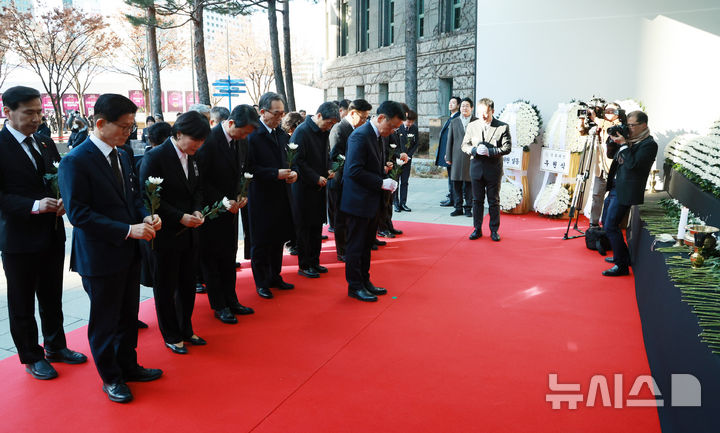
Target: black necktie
(116, 168)
(39, 164)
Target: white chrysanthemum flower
(510, 196)
(399, 162)
(56, 164)
(393, 145)
(226, 203)
(411, 135)
(155, 180)
(341, 157)
(248, 175)
(292, 146)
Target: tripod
(580, 181)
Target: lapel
(174, 161)
(377, 151)
(491, 130)
(16, 149)
(225, 149)
(44, 152)
(279, 150)
(104, 168)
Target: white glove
(482, 150)
(389, 185)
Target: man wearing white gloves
(363, 183)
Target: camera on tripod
(620, 129)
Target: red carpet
(463, 342)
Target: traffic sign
(226, 83)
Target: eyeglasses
(276, 113)
(127, 129)
(632, 125)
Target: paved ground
(423, 199)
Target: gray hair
(200, 108)
(218, 114)
(267, 99)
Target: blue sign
(226, 83)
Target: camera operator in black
(605, 117)
(633, 151)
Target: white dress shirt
(182, 155)
(106, 149)
(20, 137)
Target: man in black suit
(363, 187)
(271, 220)
(626, 185)
(358, 112)
(454, 107)
(309, 193)
(222, 162)
(486, 141)
(32, 235)
(106, 210)
(176, 246)
(408, 137)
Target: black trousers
(400, 194)
(309, 245)
(340, 232)
(112, 330)
(385, 213)
(333, 204)
(247, 242)
(462, 190)
(612, 219)
(480, 187)
(218, 268)
(360, 237)
(35, 275)
(266, 263)
(174, 292)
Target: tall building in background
(21, 5)
(366, 52)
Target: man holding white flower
(313, 167)
(363, 186)
(31, 240)
(108, 216)
(222, 160)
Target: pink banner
(47, 103)
(89, 101)
(2, 112)
(190, 99)
(70, 102)
(162, 99)
(138, 97)
(175, 101)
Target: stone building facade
(366, 52)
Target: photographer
(604, 117)
(633, 151)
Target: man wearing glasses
(106, 210)
(626, 185)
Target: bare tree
(5, 67)
(411, 53)
(149, 23)
(54, 42)
(275, 48)
(287, 57)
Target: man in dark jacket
(271, 222)
(408, 137)
(358, 112)
(454, 107)
(309, 193)
(631, 166)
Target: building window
(359, 92)
(421, 18)
(364, 28)
(445, 89)
(383, 93)
(387, 22)
(452, 11)
(340, 93)
(343, 36)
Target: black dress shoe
(446, 203)
(142, 374)
(380, 243)
(309, 272)
(476, 234)
(397, 209)
(331, 229)
(196, 341)
(396, 232)
(264, 293)
(375, 290)
(405, 208)
(374, 247)
(226, 316)
(293, 251)
(324, 237)
(142, 325)
(117, 392)
(495, 236)
(282, 285)
(386, 234)
(468, 213)
(237, 265)
(610, 259)
(41, 370)
(341, 258)
(456, 212)
(362, 295)
(65, 355)
(200, 288)
(320, 269)
(241, 309)
(616, 271)
(180, 350)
